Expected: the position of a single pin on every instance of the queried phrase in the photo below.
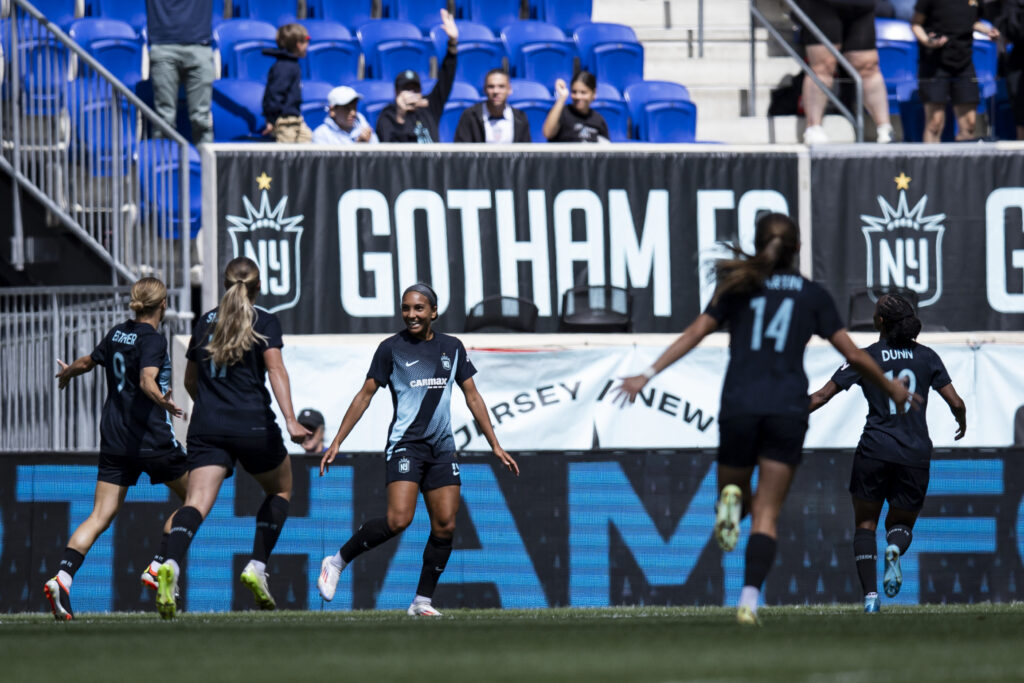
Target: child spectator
(282, 98)
(575, 122)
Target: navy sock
(760, 555)
(269, 522)
(161, 554)
(899, 536)
(865, 555)
(435, 559)
(71, 561)
(371, 534)
(186, 523)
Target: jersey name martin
(784, 282)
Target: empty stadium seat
(986, 58)
(375, 96)
(479, 51)
(240, 44)
(333, 53)
(350, 13)
(391, 46)
(535, 100)
(426, 14)
(610, 104)
(275, 12)
(539, 51)
(159, 186)
(565, 14)
(237, 107)
(670, 122)
(314, 101)
(104, 126)
(640, 96)
(60, 12)
(611, 52)
(112, 43)
(132, 12)
(897, 59)
(44, 64)
(495, 14)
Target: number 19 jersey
(768, 330)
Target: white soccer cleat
(422, 609)
(150, 579)
(327, 582)
(256, 581)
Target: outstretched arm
(478, 408)
(281, 385)
(68, 372)
(360, 402)
(824, 395)
(957, 406)
(147, 381)
(701, 327)
(869, 370)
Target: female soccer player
(771, 312)
(135, 430)
(419, 365)
(233, 349)
(575, 122)
(892, 458)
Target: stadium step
(759, 130)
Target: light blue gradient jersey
(420, 375)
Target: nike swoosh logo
(409, 365)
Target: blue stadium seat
(479, 51)
(535, 100)
(44, 64)
(612, 107)
(539, 51)
(240, 44)
(462, 97)
(565, 14)
(274, 12)
(237, 108)
(986, 59)
(671, 122)
(131, 12)
(105, 126)
(113, 43)
(314, 101)
(60, 12)
(144, 90)
(423, 13)
(640, 96)
(391, 46)
(159, 186)
(375, 96)
(897, 58)
(349, 13)
(611, 52)
(495, 14)
(333, 53)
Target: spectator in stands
(412, 117)
(576, 122)
(313, 420)
(282, 98)
(1011, 24)
(343, 125)
(945, 66)
(850, 26)
(494, 120)
(180, 34)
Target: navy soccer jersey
(233, 400)
(768, 330)
(889, 436)
(420, 375)
(132, 424)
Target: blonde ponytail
(233, 333)
(147, 294)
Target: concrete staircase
(720, 80)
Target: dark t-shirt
(954, 19)
(420, 375)
(888, 435)
(132, 424)
(577, 127)
(768, 330)
(179, 21)
(233, 400)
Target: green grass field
(830, 643)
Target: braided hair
(899, 322)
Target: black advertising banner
(943, 222)
(575, 529)
(338, 234)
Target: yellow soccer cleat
(256, 581)
(727, 517)
(166, 591)
(747, 617)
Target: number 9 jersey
(768, 330)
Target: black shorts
(124, 470)
(876, 480)
(744, 439)
(937, 84)
(257, 454)
(419, 463)
(851, 28)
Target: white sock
(65, 579)
(173, 565)
(872, 594)
(338, 562)
(261, 567)
(749, 597)
(420, 600)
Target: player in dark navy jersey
(419, 366)
(771, 312)
(893, 457)
(135, 431)
(233, 349)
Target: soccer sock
(435, 558)
(760, 555)
(749, 597)
(865, 555)
(269, 521)
(186, 523)
(161, 554)
(899, 536)
(371, 534)
(69, 564)
(337, 561)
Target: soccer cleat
(60, 600)
(149, 579)
(746, 616)
(871, 604)
(167, 591)
(727, 517)
(892, 580)
(256, 581)
(327, 582)
(422, 609)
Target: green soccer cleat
(727, 517)
(166, 591)
(256, 581)
(747, 617)
(892, 580)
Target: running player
(419, 366)
(892, 458)
(135, 430)
(233, 349)
(771, 311)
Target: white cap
(342, 95)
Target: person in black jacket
(282, 98)
(494, 120)
(412, 117)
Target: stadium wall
(577, 528)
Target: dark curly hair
(900, 324)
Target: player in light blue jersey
(419, 366)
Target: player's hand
(961, 427)
(297, 432)
(448, 24)
(903, 397)
(64, 376)
(506, 460)
(170, 406)
(627, 391)
(561, 90)
(328, 458)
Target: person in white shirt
(343, 125)
(493, 120)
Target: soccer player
(419, 366)
(135, 430)
(892, 458)
(233, 349)
(771, 311)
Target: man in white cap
(343, 125)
